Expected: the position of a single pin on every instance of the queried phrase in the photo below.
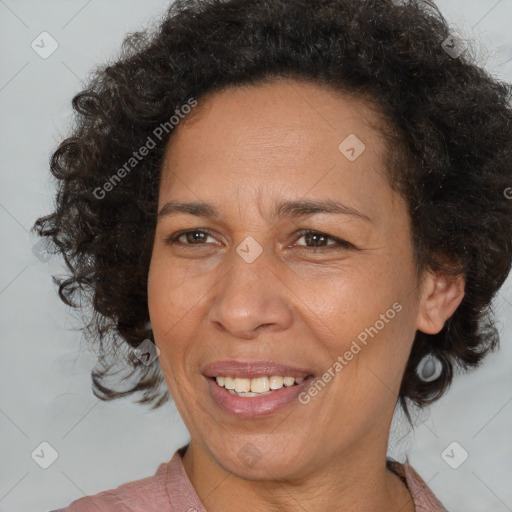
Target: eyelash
(340, 244)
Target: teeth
(289, 381)
(243, 385)
(248, 393)
(258, 386)
(276, 382)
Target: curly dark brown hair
(448, 122)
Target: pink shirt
(170, 490)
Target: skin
(244, 150)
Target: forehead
(286, 136)
(281, 111)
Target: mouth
(258, 386)
(253, 389)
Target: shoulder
(424, 499)
(146, 494)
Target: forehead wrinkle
(267, 215)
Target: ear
(441, 295)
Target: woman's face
(246, 295)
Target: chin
(260, 457)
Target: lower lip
(252, 407)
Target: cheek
(165, 312)
(177, 306)
(352, 298)
(172, 296)
(366, 323)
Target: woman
(297, 214)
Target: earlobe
(441, 296)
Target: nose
(251, 298)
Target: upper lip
(253, 369)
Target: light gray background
(44, 367)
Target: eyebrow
(298, 208)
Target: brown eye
(318, 240)
(191, 237)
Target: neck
(350, 481)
